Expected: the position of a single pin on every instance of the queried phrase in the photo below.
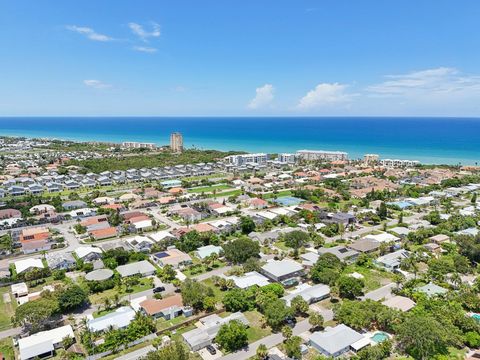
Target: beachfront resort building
(315, 155)
(371, 158)
(138, 145)
(245, 159)
(176, 142)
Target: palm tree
(262, 352)
(107, 303)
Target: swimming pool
(476, 317)
(379, 337)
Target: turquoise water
(379, 337)
(476, 317)
(430, 140)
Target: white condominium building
(244, 159)
(370, 158)
(138, 145)
(176, 142)
(398, 163)
(286, 158)
(312, 155)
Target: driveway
(385, 292)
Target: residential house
(119, 319)
(143, 268)
(335, 341)
(208, 328)
(173, 257)
(365, 245)
(43, 344)
(286, 271)
(393, 260)
(205, 251)
(35, 239)
(248, 280)
(88, 253)
(311, 294)
(60, 261)
(341, 252)
(168, 308)
(25, 265)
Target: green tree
(238, 300)
(382, 211)
(327, 269)
(299, 305)
(72, 298)
(287, 332)
(296, 239)
(262, 352)
(173, 351)
(292, 347)
(422, 337)
(36, 314)
(247, 225)
(350, 287)
(194, 293)
(276, 312)
(472, 339)
(240, 250)
(232, 336)
(315, 319)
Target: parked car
(158, 289)
(211, 349)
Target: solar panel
(161, 255)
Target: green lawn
(373, 278)
(255, 331)
(208, 189)
(6, 348)
(217, 292)
(163, 324)
(281, 245)
(278, 194)
(7, 310)
(145, 284)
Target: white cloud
(96, 84)
(263, 97)
(145, 49)
(430, 82)
(324, 94)
(143, 34)
(89, 33)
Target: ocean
(429, 140)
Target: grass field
(373, 278)
(256, 331)
(145, 284)
(7, 309)
(6, 348)
(208, 189)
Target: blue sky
(249, 57)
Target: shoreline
(452, 141)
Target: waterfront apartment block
(399, 163)
(371, 158)
(244, 159)
(286, 158)
(176, 142)
(315, 155)
(138, 145)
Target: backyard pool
(379, 337)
